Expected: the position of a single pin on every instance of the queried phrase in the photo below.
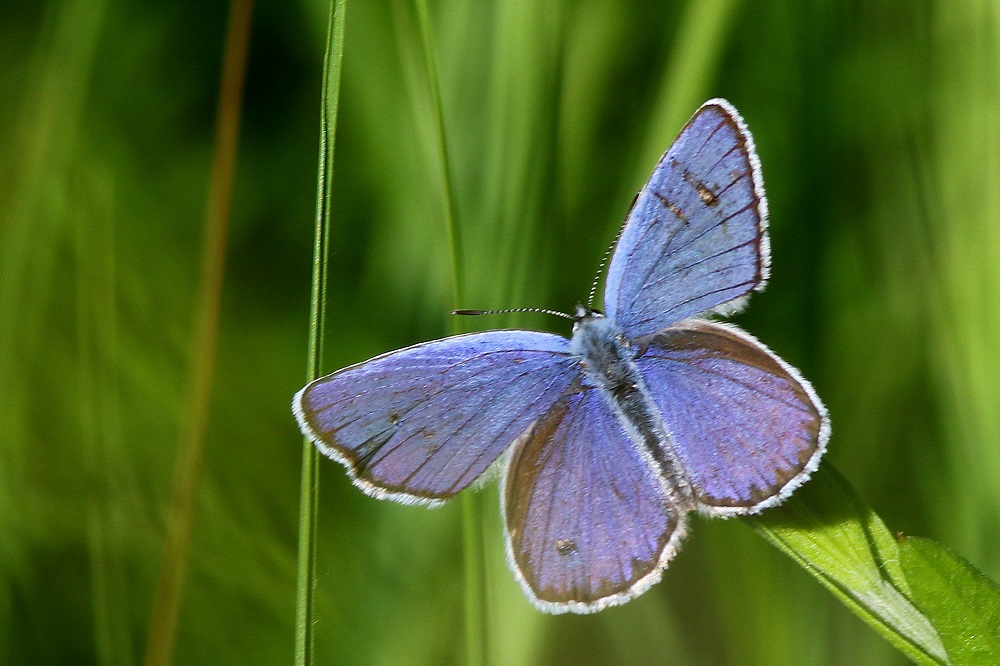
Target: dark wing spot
(565, 547)
(672, 207)
(707, 196)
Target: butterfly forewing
(589, 523)
(422, 423)
(745, 426)
(696, 237)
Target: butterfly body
(609, 439)
(608, 361)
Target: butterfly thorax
(604, 351)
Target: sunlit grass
(965, 223)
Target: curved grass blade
(309, 485)
(960, 601)
(837, 538)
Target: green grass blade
(828, 530)
(48, 126)
(963, 165)
(101, 427)
(191, 441)
(474, 588)
(472, 512)
(309, 486)
(451, 209)
(959, 600)
(691, 67)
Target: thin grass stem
(309, 485)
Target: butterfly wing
(422, 423)
(696, 237)
(589, 522)
(745, 426)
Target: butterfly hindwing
(696, 237)
(589, 523)
(745, 426)
(422, 423)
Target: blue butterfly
(607, 440)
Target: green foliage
(880, 145)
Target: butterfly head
(582, 313)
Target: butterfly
(608, 440)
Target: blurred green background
(878, 125)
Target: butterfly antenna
(473, 313)
(604, 262)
